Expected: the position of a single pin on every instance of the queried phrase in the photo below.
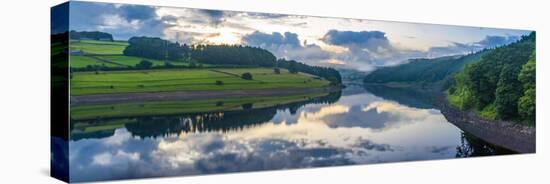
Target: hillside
(422, 70)
(154, 53)
(501, 85)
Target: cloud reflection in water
(357, 129)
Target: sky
(335, 42)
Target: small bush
(246, 76)
(489, 112)
(277, 71)
(219, 83)
(144, 64)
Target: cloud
(367, 50)
(360, 50)
(490, 41)
(286, 45)
(265, 15)
(364, 50)
(274, 39)
(136, 12)
(495, 41)
(214, 16)
(371, 40)
(123, 21)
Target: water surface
(350, 127)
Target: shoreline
(506, 134)
(99, 99)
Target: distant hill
(423, 70)
(91, 35)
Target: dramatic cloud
(364, 50)
(137, 12)
(367, 49)
(123, 21)
(339, 43)
(287, 45)
(269, 40)
(214, 16)
(371, 40)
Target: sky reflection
(357, 129)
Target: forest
(501, 85)
(423, 70)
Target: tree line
(224, 55)
(501, 85)
(90, 35)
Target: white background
(24, 90)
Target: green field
(115, 61)
(108, 54)
(84, 83)
(181, 106)
(132, 61)
(98, 47)
(84, 61)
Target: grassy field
(84, 61)
(132, 61)
(112, 52)
(115, 61)
(84, 83)
(181, 106)
(98, 47)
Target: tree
(231, 55)
(527, 102)
(246, 76)
(507, 93)
(155, 48)
(193, 64)
(292, 68)
(91, 35)
(144, 64)
(502, 82)
(277, 70)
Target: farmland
(98, 47)
(106, 82)
(108, 54)
(96, 61)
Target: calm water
(352, 127)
